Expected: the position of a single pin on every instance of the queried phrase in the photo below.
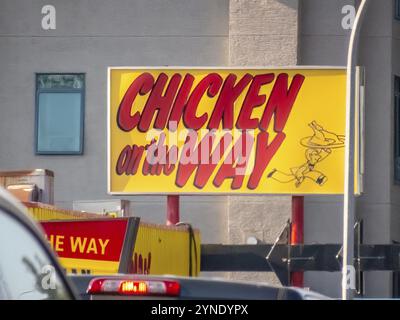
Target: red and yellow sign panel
(110, 246)
(226, 131)
(166, 250)
(88, 246)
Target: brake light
(134, 287)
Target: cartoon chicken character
(319, 147)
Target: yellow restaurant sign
(226, 131)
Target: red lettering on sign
(235, 164)
(210, 84)
(264, 154)
(129, 160)
(223, 110)
(171, 99)
(96, 239)
(159, 158)
(253, 100)
(194, 156)
(281, 101)
(141, 85)
(180, 102)
(159, 102)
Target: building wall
(261, 33)
(324, 42)
(91, 35)
(375, 205)
(94, 34)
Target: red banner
(84, 239)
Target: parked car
(28, 267)
(136, 287)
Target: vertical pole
(297, 235)
(348, 198)
(172, 210)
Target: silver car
(29, 269)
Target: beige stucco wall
(261, 33)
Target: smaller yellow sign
(165, 250)
(102, 246)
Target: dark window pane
(397, 129)
(59, 122)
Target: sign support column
(297, 235)
(172, 210)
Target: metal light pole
(348, 198)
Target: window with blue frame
(60, 106)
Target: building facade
(87, 36)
